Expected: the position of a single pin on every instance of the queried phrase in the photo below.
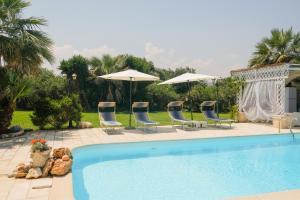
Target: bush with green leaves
(50, 103)
(41, 112)
(160, 95)
(56, 112)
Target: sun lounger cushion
(210, 114)
(143, 118)
(108, 119)
(111, 123)
(177, 116)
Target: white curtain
(259, 100)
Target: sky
(212, 36)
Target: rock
(14, 129)
(11, 175)
(4, 136)
(20, 171)
(85, 125)
(61, 167)
(47, 167)
(20, 175)
(16, 134)
(34, 173)
(65, 158)
(20, 167)
(60, 152)
(68, 152)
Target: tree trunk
(6, 115)
(109, 95)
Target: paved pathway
(17, 150)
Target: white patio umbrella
(130, 75)
(187, 78)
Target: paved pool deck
(17, 150)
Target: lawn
(22, 118)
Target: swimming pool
(209, 169)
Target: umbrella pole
(217, 87)
(191, 103)
(130, 101)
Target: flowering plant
(39, 145)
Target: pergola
(264, 93)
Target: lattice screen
(276, 73)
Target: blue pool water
(208, 169)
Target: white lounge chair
(176, 115)
(140, 112)
(208, 109)
(107, 115)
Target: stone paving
(17, 150)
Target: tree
(50, 103)
(228, 90)
(281, 47)
(13, 86)
(23, 48)
(106, 65)
(160, 95)
(78, 65)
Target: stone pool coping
(15, 151)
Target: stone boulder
(34, 173)
(60, 152)
(20, 167)
(20, 174)
(47, 167)
(20, 170)
(15, 131)
(4, 136)
(85, 125)
(65, 158)
(61, 167)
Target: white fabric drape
(259, 100)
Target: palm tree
(13, 86)
(23, 48)
(106, 65)
(281, 47)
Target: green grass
(22, 118)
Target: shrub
(160, 95)
(41, 112)
(200, 93)
(234, 111)
(56, 112)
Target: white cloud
(167, 58)
(161, 57)
(97, 51)
(66, 51)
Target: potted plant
(242, 117)
(40, 152)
